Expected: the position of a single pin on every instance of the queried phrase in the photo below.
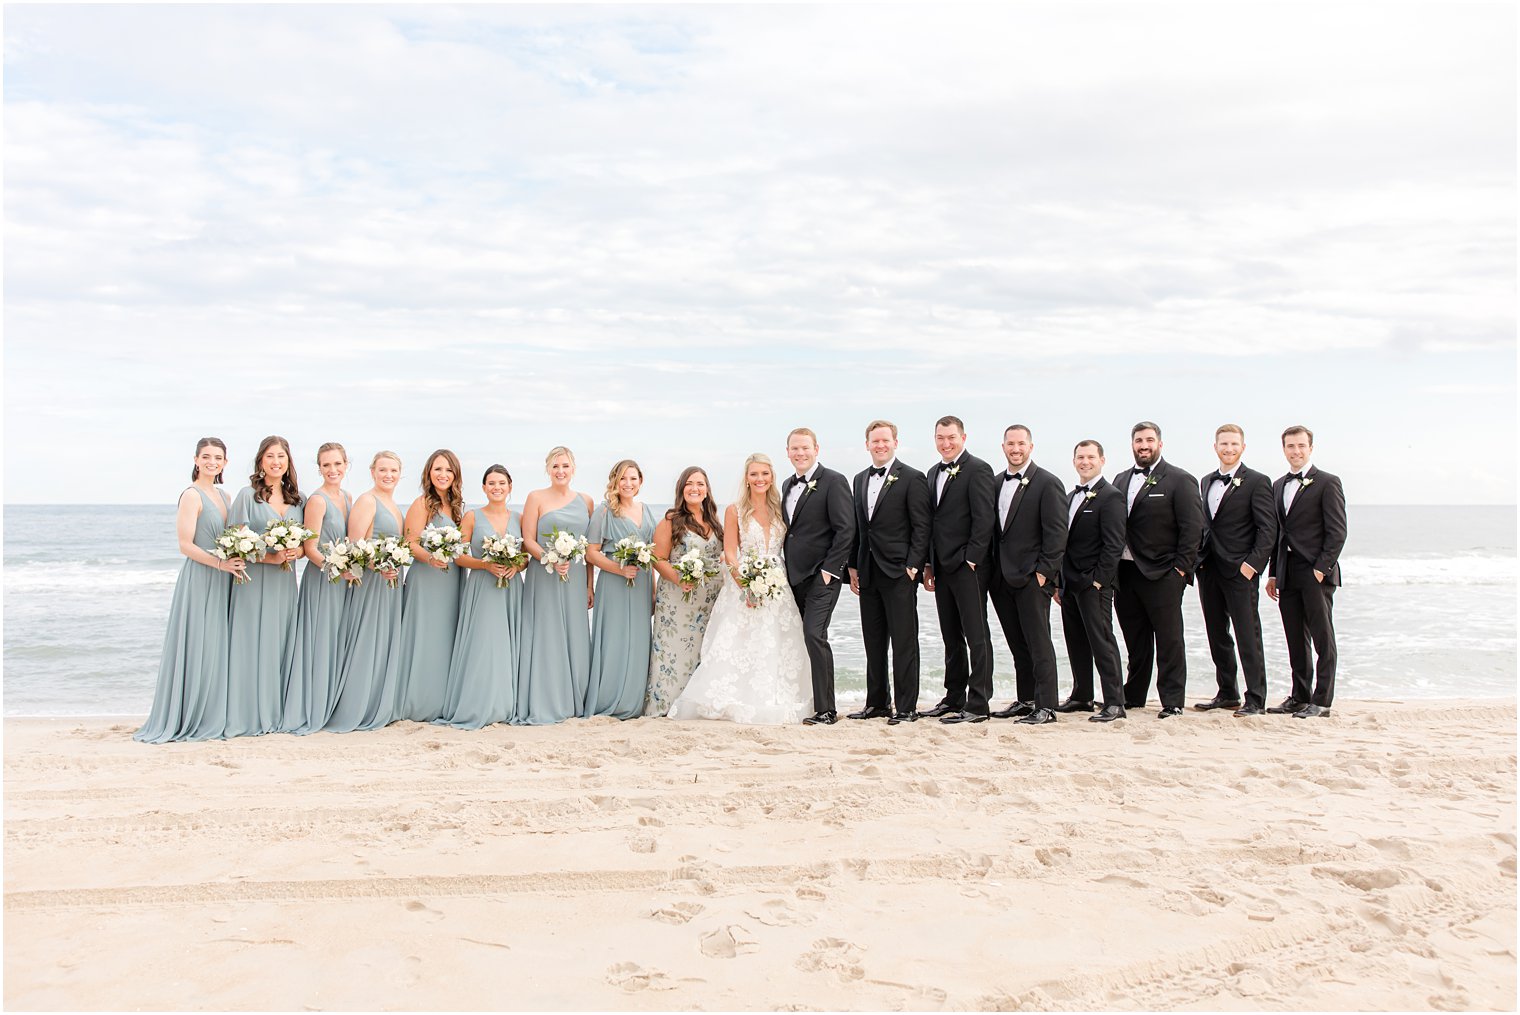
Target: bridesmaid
(620, 626)
(430, 605)
(364, 695)
(191, 700)
(679, 624)
(555, 659)
(262, 629)
(482, 685)
(319, 609)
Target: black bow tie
(1142, 470)
(879, 471)
(1296, 475)
(1080, 489)
(946, 466)
(1012, 477)
(1220, 477)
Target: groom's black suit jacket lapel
(821, 532)
(898, 533)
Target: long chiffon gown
(619, 623)
(482, 686)
(368, 676)
(429, 615)
(319, 618)
(262, 632)
(679, 626)
(190, 702)
(555, 659)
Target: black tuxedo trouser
(1150, 615)
(1025, 617)
(889, 613)
(1306, 607)
(960, 598)
(1228, 599)
(1087, 618)
(815, 601)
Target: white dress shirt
(1217, 489)
(1078, 500)
(944, 475)
(796, 493)
(1292, 486)
(1008, 489)
(1136, 484)
(874, 486)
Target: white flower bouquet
(629, 550)
(763, 577)
(695, 567)
(282, 535)
(390, 554)
(239, 542)
(341, 557)
(561, 547)
(445, 542)
(505, 550)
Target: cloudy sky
(673, 233)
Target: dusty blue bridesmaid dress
(554, 661)
(262, 632)
(619, 623)
(429, 615)
(319, 617)
(482, 685)
(190, 702)
(364, 697)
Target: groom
(820, 529)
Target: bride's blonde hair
(772, 495)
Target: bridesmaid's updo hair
(680, 517)
(555, 453)
(611, 496)
(431, 502)
(331, 446)
(502, 469)
(207, 442)
(384, 454)
(772, 496)
(288, 488)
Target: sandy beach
(1366, 861)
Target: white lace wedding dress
(754, 666)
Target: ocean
(1428, 611)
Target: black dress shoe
(1167, 713)
(1311, 712)
(903, 717)
(1250, 710)
(1288, 707)
(1109, 714)
(964, 717)
(1014, 710)
(937, 711)
(821, 719)
(1217, 701)
(1039, 717)
(870, 712)
(1073, 705)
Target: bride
(754, 666)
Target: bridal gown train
(754, 666)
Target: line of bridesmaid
(449, 646)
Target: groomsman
(1162, 534)
(820, 530)
(961, 528)
(1026, 566)
(1089, 573)
(1239, 535)
(1311, 513)
(891, 545)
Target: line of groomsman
(1127, 548)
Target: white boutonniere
(1305, 480)
(892, 479)
(953, 471)
(1150, 480)
(812, 485)
(1235, 482)
(1024, 481)
(1090, 495)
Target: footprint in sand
(810, 893)
(632, 978)
(778, 913)
(728, 942)
(834, 955)
(642, 843)
(676, 912)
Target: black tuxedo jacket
(1244, 530)
(821, 533)
(1095, 539)
(964, 522)
(1315, 529)
(1033, 539)
(897, 535)
(1165, 527)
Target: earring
(261, 473)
